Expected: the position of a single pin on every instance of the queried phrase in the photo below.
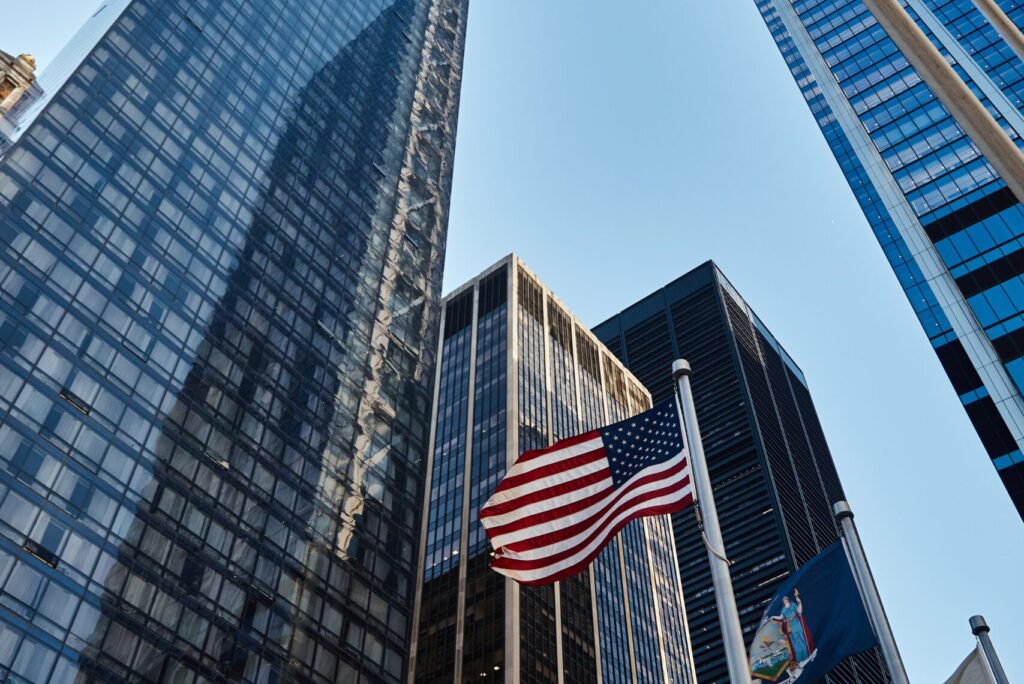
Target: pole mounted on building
(725, 599)
(968, 111)
(869, 593)
(980, 629)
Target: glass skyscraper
(771, 469)
(952, 231)
(518, 371)
(223, 229)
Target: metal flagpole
(980, 629)
(728, 616)
(869, 593)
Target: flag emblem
(558, 507)
(783, 644)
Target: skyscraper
(517, 371)
(771, 469)
(223, 238)
(950, 228)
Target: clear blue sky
(615, 146)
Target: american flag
(558, 507)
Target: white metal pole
(869, 593)
(725, 599)
(980, 629)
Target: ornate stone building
(18, 88)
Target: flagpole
(869, 594)
(980, 629)
(728, 616)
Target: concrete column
(970, 114)
(512, 624)
(549, 401)
(467, 487)
(618, 539)
(1006, 29)
(428, 478)
(578, 396)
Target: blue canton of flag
(650, 438)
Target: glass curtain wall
(951, 230)
(220, 286)
(537, 367)
(770, 467)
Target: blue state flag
(816, 619)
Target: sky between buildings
(615, 146)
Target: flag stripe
(570, 553)
(556, 508)
(543, 499)
(558, 573)
(528, 456)
(534, 502)
(550, 538)
(581, 510)
(529, 483)
(541, 511)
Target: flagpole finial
(995, 668)
(842, 510)
(680, 367)
(869, 593)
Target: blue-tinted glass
(534, 364)
(222, 244)
(936, 184)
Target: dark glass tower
(949, 227)
(771, 469)
(518, 371)
(223, 237)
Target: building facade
(223, 234)
(952, 231)
(18, 89)
(17, 75)
(518, 371)
(771, 470)
(51, 80)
